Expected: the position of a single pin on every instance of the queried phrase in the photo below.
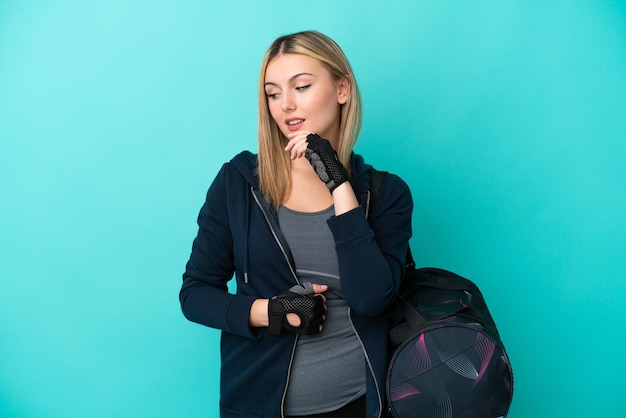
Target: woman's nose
(288, 103)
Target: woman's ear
(344, 87)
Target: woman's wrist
(258, 313)
(344, 199)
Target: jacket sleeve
(204, 295)
(372, 253)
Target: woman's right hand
(302, 310)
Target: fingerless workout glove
(302, 301)
(325, 162)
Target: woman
(305, 333)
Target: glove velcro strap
(276, 315)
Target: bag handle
(413, 320)
(461, 283)
(404, 320)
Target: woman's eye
(302, 88)
(272, 96)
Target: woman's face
(303, 96)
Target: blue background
(506, 118)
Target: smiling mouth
(295, 122)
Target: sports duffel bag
(447, 357)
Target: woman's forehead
(287, 66)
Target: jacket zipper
(369, 364)
(295, 342)
(269, 224)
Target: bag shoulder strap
(376, 181)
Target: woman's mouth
(294, 124)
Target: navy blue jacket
(239, 234)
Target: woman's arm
(204, 295)
(372, 253)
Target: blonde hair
(274, 163)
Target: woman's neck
(308, 193)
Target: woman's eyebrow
(292, 78)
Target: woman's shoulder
(245, 159)
(390, 184)
(364, 173)
(242, 166)
(245, 162)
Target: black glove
(302, 301)
(324, 160)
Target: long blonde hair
(274, 164)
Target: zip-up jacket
(239, 236)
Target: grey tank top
(328, 369)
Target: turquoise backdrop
(506, 118)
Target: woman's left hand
(322, 157)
